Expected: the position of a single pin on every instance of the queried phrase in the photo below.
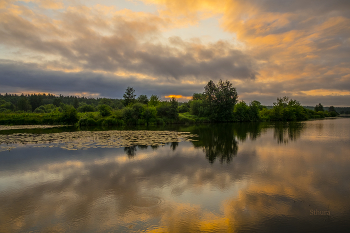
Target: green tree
(23, 104)
(319, 107)
(76, 103)
(138, 109)
(105, 110)
(153, 101)
(35, 101)
(86, 108)
(129, 96)
(150, 114)
(174, 111)
(199, 108)
(184, 108)
(142, 99)
(6, 105)
(105, 101)
(221, 100)
(70, 115)
(57, 102)
(332, 111)
(197, 96)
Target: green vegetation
(218, 103)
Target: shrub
(86, 108)
(184, 108)
(199, 108)
(40, 109)
(150, 114)
(141, 122)
(138, 109)
(105, 110)
(129, 116)
(70, 115)
(87, 122)
(241, 112)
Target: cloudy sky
(266, 48)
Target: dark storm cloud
(19, 77)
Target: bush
(241, 112)
(184, 108)
(129, 116)
(168, 109)
(186, 119)
(138, 109)
(118, 114)
(141, 122)
(163, 109)
(87, 122)
(105, 110)
(160, 121)
(110, 121)
(70, 115)
(199, 108)
(86, 108)
(150, 114)
(40, 109)
(5, 110)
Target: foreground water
(285, 177)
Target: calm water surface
(288, 177)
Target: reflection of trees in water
(217, 141)
(285, 131)
(173, 145)
(251, 130)
(130, 151)
(220, 141)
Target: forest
(218, 103)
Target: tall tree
(221, 99)
(129, 96)
(142, 99)
(35, 101)
(332, 111)
(174, 111)
(75, 103)
(154, 100)
(57, 102)
(319, 107)
(23, 104)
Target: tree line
(218, 103)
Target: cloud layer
(278, 48)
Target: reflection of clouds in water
(106, 180)
(112, 192)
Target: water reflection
(131, 151)
(218, 142)
(221, 141)
(285, 131)
(267, 186)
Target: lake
(234, 177)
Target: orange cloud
(48, 4)
(178, 97)
(324, 92)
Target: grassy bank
(119, 118)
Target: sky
(265, 48)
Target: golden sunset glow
(162, 46)
(178, 97)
